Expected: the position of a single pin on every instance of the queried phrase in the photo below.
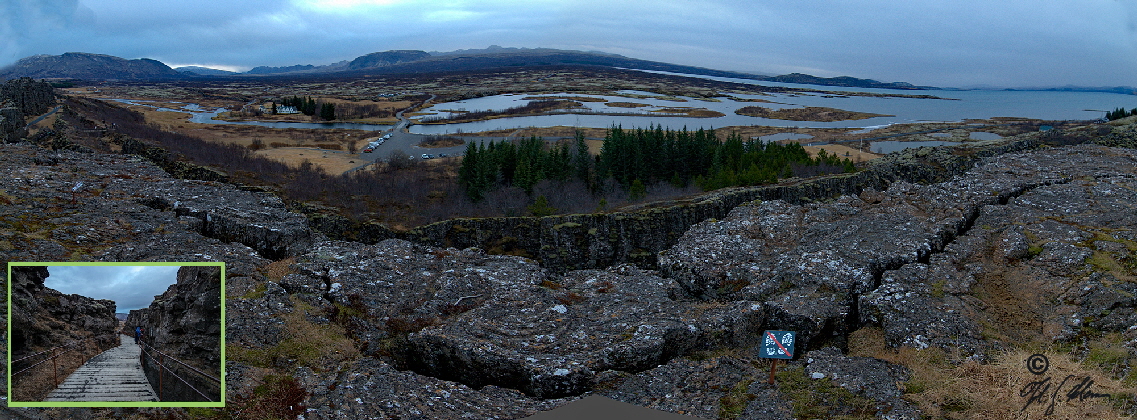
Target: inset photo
(116, 334)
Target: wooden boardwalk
(114, 375)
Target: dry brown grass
(322, 347)
(690, 112)
(441, 141)
(332, 161)
(842, 151)
(945, 386)
(276, 270)
(809, 113)
(38, 382)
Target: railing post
(54, 369)
(160, 369)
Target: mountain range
(86, 66)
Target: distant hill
(121, 316)
(103, 67)
(845, 81)
(386, 58)
(1124, 90)
(497, 57)
(277, 70)
(204, 71)
(299, 69)
(490, 58)
(89, 67)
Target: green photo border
(8, 356)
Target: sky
(131, 287)
(962, 43)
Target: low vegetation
(441, 141)
(809, 113)
(947, 386)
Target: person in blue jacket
(137, 334)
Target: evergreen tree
(637, 191)
(467, 172)
(327, 111)
(541, 207)
(582, 161)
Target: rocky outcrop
(44, 318)
(168, 161)
(1029, 245)
(185, 323)
(108, 187)
(486, 320)
(45, 215)
(20, 98)
(11, 121)
(891, 257)
(28, 96)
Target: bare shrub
(398, 159)
(509, 202)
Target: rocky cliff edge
(1024, 249)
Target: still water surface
(958, 105)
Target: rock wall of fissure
(184, 323)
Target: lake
(967, 104)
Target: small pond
(980, 135)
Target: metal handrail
(40, 363)
(69, 347)
(184, 364)
(42, 352)
(167, 369)
(55, 367)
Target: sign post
(777, 345)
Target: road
(41, 117)
(403, 139)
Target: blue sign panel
(778, 344)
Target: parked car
(425, 156)
(442, 155)
(368, 150)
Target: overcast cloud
(959, 43)
(131, 287)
